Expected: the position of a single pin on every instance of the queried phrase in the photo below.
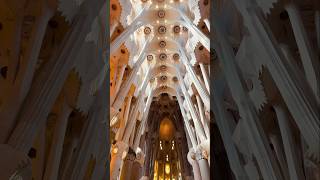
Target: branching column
(46, 88)
(54, 158)
(308, 56)
(125, 87)
(195, 166)
(204, 94)
(255, 133)
(294, 165)
(295, 93)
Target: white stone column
(125, 87)
(255, 133)
(125, 119)
(47, 86)
(189, 132)
(143, 121)
(118, 83)
(302, 105)
(197, 123)
(126, 169)
(194, 29)
(310, 61)
(202, 117)
(293, 162)
(275, 141)
(195, 166)
(115, 44)
(203, 165)
(133, 115)
(23, 78)
(205, 76)
(117, 151)
(223, 121)
(204, 94)
(54, 157)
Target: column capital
(118, 148)
(140, 156)
(130, 155)
(201, 154)
(204, 147)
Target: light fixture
(115, 150)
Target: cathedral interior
(159, 89)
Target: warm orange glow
(166, 129)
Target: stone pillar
(276, 142)
(203, 92)
(137, 165)
(117, 151)
(194, 29)
(189, 132)
(253, 128)
(143, 121)
(47, 86)
(202, 117)
(53, 161)
(23, 77)
(126, 169)
(205, 76)
(196, 120)
(195, 166)
(125, 87)
(293, 162)
(308, 56)
(295, 91)
(203, 165)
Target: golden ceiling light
(147, 30)
(176, 29)
(162, 44)
(166, 130)
(163, 78)
(175, 79)
(162, 56)
(167, 169)
(161, 13)
(163, 68)
(162, 29)
(176, 56)
(149, 57)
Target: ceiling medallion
(175, 79)
(176, 29)
(163, 78)
(149, 57)
(162, 29)
(161, 13)
(162, 44)
(147, 30)
(176, 56)
(162, 56)
(163, 68)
